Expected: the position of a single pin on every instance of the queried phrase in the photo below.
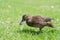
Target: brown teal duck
(36, 21)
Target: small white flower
(9, 6)
(57, 19)
(52, 6)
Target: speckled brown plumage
(37, 21)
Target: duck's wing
(47, 19)
(37, 19)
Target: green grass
(11, 12)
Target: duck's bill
(22, 21)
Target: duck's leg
(41, 29)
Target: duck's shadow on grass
(29, 31)
(34, 32)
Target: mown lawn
(11, 12)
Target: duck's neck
(28, 18)
(29, 22)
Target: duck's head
(25, 17)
